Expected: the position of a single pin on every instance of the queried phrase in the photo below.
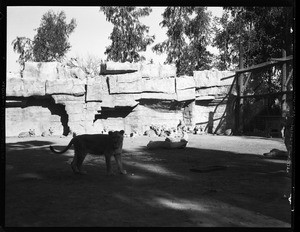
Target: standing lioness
(97, 144)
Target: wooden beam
(224, 78)
(258, 66)
(283, 59)
(270, 63)
(266, 94)
(289, 78)
(246, 82)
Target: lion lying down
(170, 142)
(96, 144)
(166, 144)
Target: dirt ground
(159, 189)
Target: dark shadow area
(45, 102)
(104, 71)
(27, 144)
(159, 189)
(248, 182)
(259, 137)
(31, 157)
(226, 121)
(162, 105)
(262, 117)
(210, 123)
(116, 112)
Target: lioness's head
(117, 140)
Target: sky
(90, 37)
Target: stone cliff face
(128, 96)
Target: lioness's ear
(122, 132)
(110, 133)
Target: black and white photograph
(149, 116)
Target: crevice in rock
(117, 112)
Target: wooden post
(269, 91)
(239, 90)
(283, 85)
(237, 105)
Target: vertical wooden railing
(284, 84)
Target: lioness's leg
(119, 163)
(80, 160)
(74, 164)
(108, 164)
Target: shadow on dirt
(28, 144)
(262, 138)
(159, 189)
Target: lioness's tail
(64, 150)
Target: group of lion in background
(31, 133)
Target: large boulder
(185, 94)
(213, 91)
(107, 99)
(75, 108)
(120, 100)
(13, 75)
(150, 70)
(110, 65)
(207, 78)
(41, 70)
(123, 100)
(94, 89)
(63, 71)
(159, 85)
(125, 83)
(167, 71)
(185, 88)
(16, 87)
(77, 117)
(229, 77)
(154, 71)
(160, 96)
(51, 71)
(93, 107)
(70, 86)
(211, 78)
(78, 127)
(77, 72)
(185, 82)
(64, 99)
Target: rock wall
(129, 96)
(212, 109)
(39, 114)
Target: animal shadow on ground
(159, 189)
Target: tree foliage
(51, 41)
(49, 44)
(129, 35)
(262, 32)
(188, 31)
(23, 46)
